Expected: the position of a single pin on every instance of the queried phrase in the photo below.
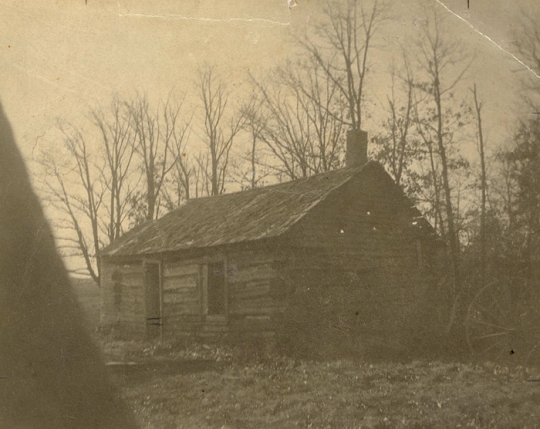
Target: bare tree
(179, 182)
(118, 141)
(287, 133)
(504, 188)
(441, 62)
(300, 128)
(524, 172)
(79, 207)
(256, 120)
(159, 134)
(181, 178)
(433, 191)
(324, 107)
(483, 183)
(219, 129)
(398, 146)
(341, 47)
(92, 187)
(201, 184)
(101, 189)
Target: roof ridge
(276, 185)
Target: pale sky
(59, 57)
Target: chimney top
(356, 154)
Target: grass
(200, 386)
(283, 393)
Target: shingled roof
(233, 218)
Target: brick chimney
(356, 155)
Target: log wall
(250, 282)
(252, 304)
(364, 222)
(182, 296)
(362, 241)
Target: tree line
(146, 158)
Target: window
(216, 289)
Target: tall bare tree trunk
(441, 59)
(219, 130)
(483, 186)
(453, 240)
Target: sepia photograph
(221, 214)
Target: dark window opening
(216, 288)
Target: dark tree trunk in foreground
(52, 375)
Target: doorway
(152, 300)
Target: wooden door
(152, 300)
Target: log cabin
(230, 265)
